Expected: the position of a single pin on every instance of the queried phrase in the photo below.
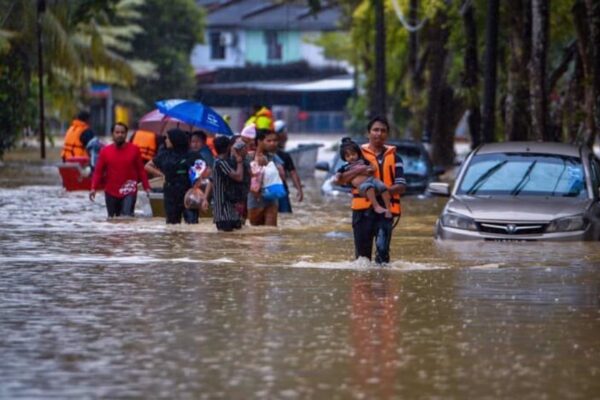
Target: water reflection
(374, 322)
(135, 308)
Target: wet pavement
(134, 308)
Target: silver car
(523, 191)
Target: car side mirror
(439, 188)
(437, 171)
(322, 166)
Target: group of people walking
(243, 178)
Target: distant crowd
(242, 177)
(234, 179)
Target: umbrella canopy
(159, 123)
(196, 114)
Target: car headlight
(459, 222)
(574, 223)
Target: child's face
(350, 156)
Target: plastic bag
(272, 184)
(256, 180)
(193, 199)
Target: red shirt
(120, 168)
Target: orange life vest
(146, 142)
(386, 173)
(73, 146)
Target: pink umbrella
(159, 123)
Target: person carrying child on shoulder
(367, 185)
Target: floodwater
(93, 308)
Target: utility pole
(490, 71)
(41, 8)
(380, 93)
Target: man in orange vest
(77, 137)
(368, 225)
(147, 142)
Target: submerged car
(523, 191)
(418, 169)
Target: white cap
(249, 131)
(279, 125)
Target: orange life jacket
(73, 147)
(146, 142)
(386, 173)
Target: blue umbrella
(196, 114)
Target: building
(263, 52)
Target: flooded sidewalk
(135, 308)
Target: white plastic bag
(272, 184)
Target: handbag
(272, 185)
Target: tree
(490, 71)
(80, 43)
(471, 73)
(516, 114)
(537, 69)
(172, 29)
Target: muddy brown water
(94, 308)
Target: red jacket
(120, 168)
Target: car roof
(530, 147)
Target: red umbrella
(159, 123)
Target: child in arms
(368, 186)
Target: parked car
(418, 169)
(523, 191)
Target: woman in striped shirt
(225, 214)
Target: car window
(415, 161)
(524, 174)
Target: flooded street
(93, 308)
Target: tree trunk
(572, 108)
(582, 29)
(537, 69)
(490, 71)
(517, 118)
(593, 11)
(437, 60)
(440, 118)
(442, 149)
(379, 101)
(471, 80)
(415, 126)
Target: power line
(403, 21)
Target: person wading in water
(367, 225)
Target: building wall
(257, 51)
(250, 47)
(234, 52)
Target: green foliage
(172, 29)
(16, 108)
(81, 40)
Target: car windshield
(524, 174)
(413, 159)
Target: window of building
(217, 46)
(274, 47)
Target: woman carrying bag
(265, 190)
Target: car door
(594, 212)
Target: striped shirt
(223, 210)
